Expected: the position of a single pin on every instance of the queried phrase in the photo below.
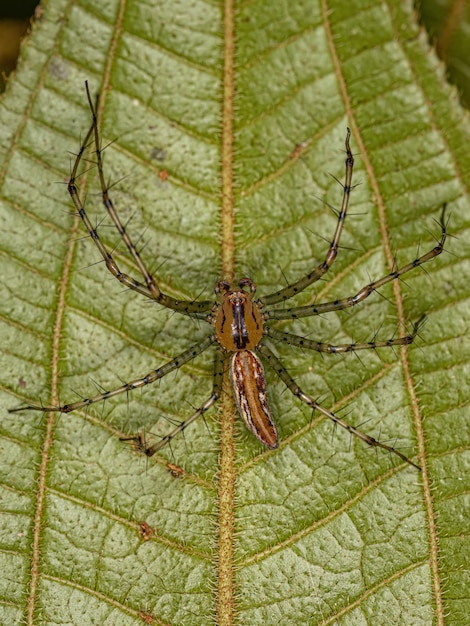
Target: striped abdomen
(249, 389)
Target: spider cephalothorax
(241, 324)
(238, 320)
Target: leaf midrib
(225, 600)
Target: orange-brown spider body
(239, 329)
(238, 320)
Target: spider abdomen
(249, 389)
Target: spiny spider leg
(283, 374)
(302, 342)
(112, 266)
(216, 392)
(318, 272)
(365, 292)
(151, 377)
(151, 290)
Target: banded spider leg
(339, 305)
(151, 288)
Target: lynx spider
(239, 322)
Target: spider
(239, 322)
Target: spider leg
(151, 377)
(283, 374)
(302, 342)
(215, 395)
(365, 292)
(320, 270)
(150, 289)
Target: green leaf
(225, 124)
(448, 27)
